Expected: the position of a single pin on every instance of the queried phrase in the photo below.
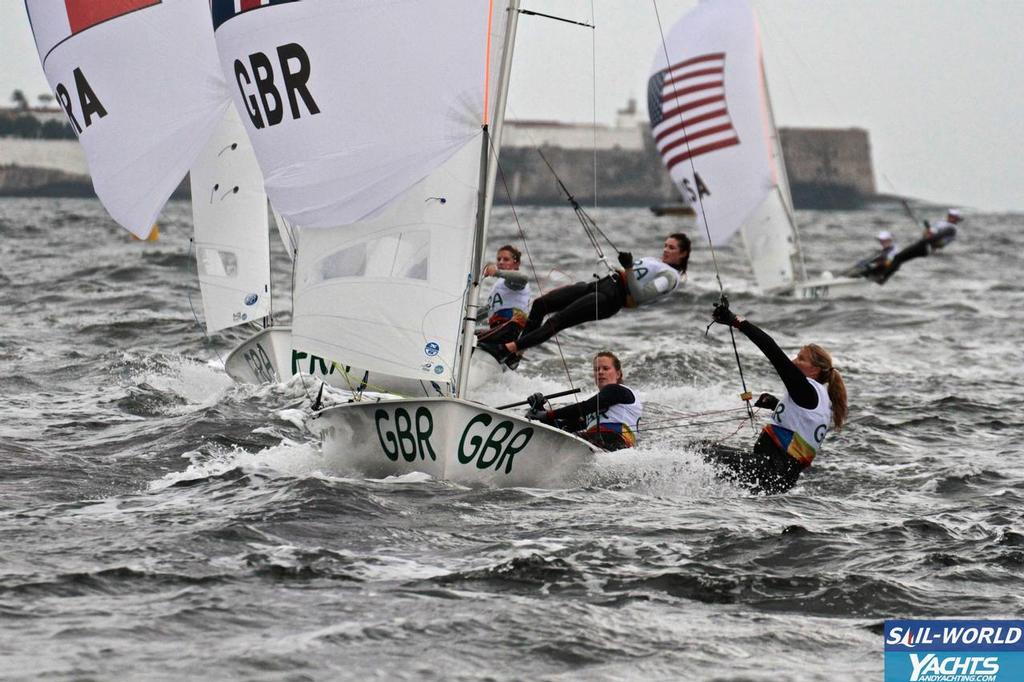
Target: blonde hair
(830, 376)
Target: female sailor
(608, 419)
(815, 401)
(509, 299)
(640, 282)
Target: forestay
(711, 121)
(141, 85)
(366, 118)
(229, 212)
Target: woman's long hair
(830, 376)
(684, 243)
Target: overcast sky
(936, 83)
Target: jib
(407, 437)
(268, 109)
(498, 445)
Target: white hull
(449, 439)
(830, 287)
(268, 357)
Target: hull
(830, 287)
(449, 439)
(262, 358)
(268, 357)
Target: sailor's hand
(722, 315)
(537, 415)
(490, 270)
(767, 401)
(625, 259)
(536, 401)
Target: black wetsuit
(767, 469)
(922, 247)
(571, 305)
(873, 267)
(573, 418)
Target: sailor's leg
(597, 305)
(553, 301)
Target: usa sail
(712, 122)
(140, 83)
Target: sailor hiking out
(935, 238)
(640, 282)
(814, 403)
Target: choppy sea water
(159, 522)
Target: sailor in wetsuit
(640, 282)
(815, 401)
(609, 418)
(935, 237)
(509, 299)
(875, 266)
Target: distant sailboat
(376, 125)
(712, 122)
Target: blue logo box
(954, 650)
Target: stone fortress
(827, 168)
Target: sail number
(483, 442)
(499, 445)
(404, 435)
(260, 364)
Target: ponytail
(831, 377)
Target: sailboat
(376, 126)
(712, 122)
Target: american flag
(223, 10)
(688, 109)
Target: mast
(485, 196)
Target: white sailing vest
(798, 431)
(503, 297)
(650, 279)
(624, 419)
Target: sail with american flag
(688, 108)
(712, 124)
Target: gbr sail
(366, 118)
(712, 123)
(141, 85)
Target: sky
(936, 83)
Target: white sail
(367, 121)
(229, 212)
(712, 124)
(386, 294)
(141, 85)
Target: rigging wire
(529, 257)
(707, 230)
